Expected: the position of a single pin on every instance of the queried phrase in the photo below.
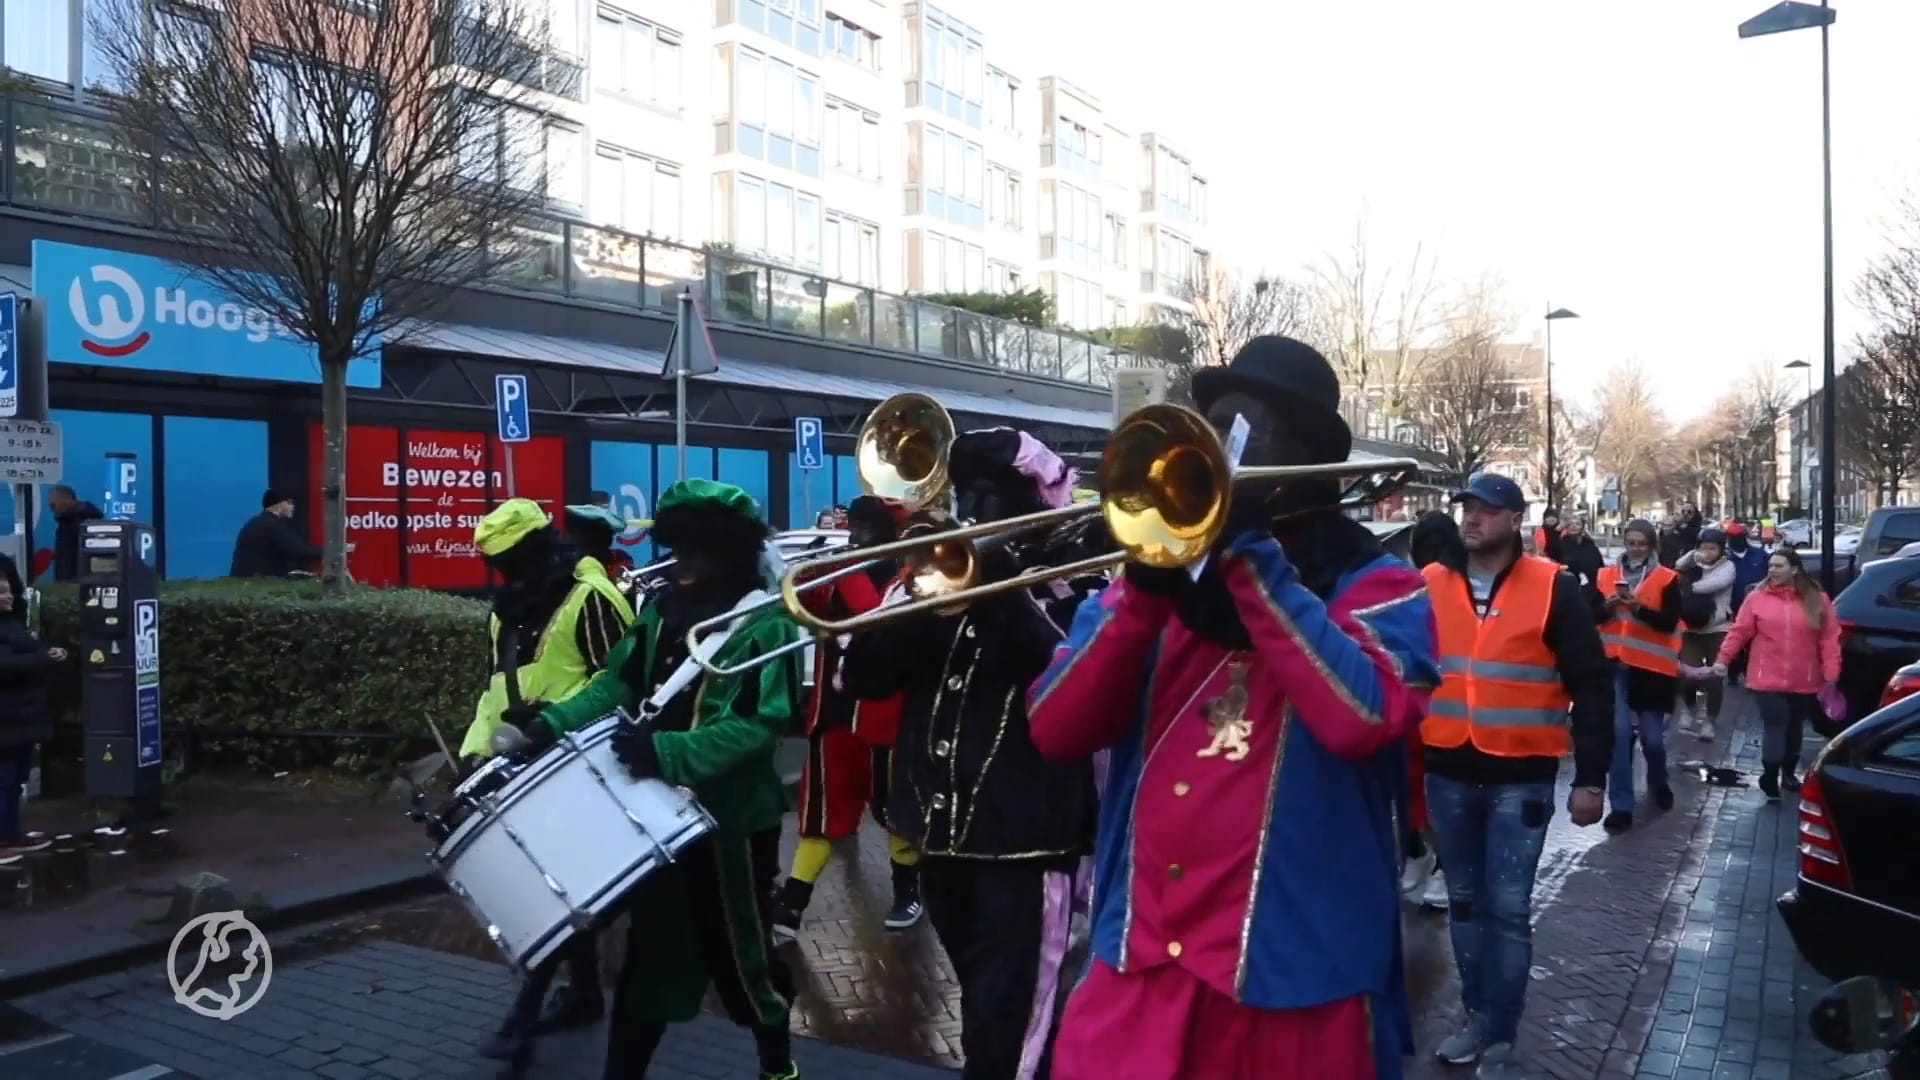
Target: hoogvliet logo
(114, 328)
(113, 325)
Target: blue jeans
(1489, 837)
(15, 763)
(1653, 743)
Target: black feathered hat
(1295, 380)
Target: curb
(294, 907)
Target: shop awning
(606, 356)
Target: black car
(1879, 630)
(1856, 907)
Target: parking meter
(119, 649)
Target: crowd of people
(1235, 771)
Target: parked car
(1887, 531)
(1797, 533)
(1847, 541)
(1879, 617)
(1855, 908)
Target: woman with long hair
(1792, 639)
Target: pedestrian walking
(1582, 557)
(1792, 640)
(1518, 649)
(25, 666)
(1640, 626)
(1711, 577)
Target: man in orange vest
(1641, 628)
(1518, 649)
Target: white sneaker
(1685, 720)
(1465, 1045)
(1705, 733)
(1435, 896)
(1499, 1062)
(1414, 874)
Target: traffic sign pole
(683, 347)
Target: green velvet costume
(704, 919)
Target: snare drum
(549, 849)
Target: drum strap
(690, 670)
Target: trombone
(902, 454)
(1166, 484)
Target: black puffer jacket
(24, 667)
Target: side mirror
(1865, 1013)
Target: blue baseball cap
(1496, 491)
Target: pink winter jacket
(1786, 653)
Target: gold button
(1173, 949)
(953, 683)
(1174, 871)
(939, 802)
(1181, 788)
(942, 748)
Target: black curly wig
(734, 540)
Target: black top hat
(1293, 378)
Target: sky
(1638, 164)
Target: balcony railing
(63, 159)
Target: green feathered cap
(601, 514)
(707, 495)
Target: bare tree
(1632, 434)
(1471, 390)
(1370, 320)
(1229, 310)
(1874, 399)
(348, 165)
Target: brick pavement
(384, 1009)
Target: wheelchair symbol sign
(810, 442)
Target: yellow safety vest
(557, 670)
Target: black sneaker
(907, 910)
(1789, 782)
(789, 906)
(1663, 797)
(1618, 822)
(1770, 784)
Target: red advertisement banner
(415, 495)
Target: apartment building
(873, 142)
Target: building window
(777, 113)
(952, 69)
(1077, 302)
(188, 24)
(1116, 242)
(1077, 147)
(1002, 277)
(37, 37)
(792, 22)
(852, 250)
(1003, 197)
(1003, 101)
(1078, 226)
(1180, 194)
(635, 192)
(853, 136)
(854, 44)
(521, 147)
(952, 266)
(636, 59)
(952, 178)
(776, 221)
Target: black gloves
(1208, 609)
(633, 745)
(526, 717)
(1160, 581)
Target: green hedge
(266, 655)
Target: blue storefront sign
(120, 496)
(146, 681)
(117, 309)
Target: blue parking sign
(510, 406)
(9, 355)
(810, 442)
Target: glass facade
(776, 111)
(950, 68)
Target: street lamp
(1779, 19)
(1806, 405)
(1553, 478)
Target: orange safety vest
(1631, 641)
(1500, 684)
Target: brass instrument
(901, 453)
(1166, 486)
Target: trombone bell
(903, 448)
(1165, 483)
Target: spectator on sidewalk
(1546, 539)
(1793, 639)
(269, 545)
(24, 716)
(555, 621)
(1518, 649)
(1582, 557)
(1641, 629)
(69, 513)
(1749, 563)
(1710, 577)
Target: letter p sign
(511, 408)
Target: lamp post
(1553, 477)
(1806, 403)
(1778, 19)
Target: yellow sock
(901, 850)
(810, 858)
